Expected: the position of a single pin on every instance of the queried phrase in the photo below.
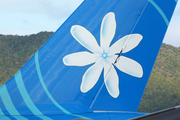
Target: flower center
(104, 55)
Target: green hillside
(162, 90)
(16, 50)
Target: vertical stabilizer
(100, 59)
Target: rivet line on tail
(3, 116)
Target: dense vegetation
(162, 90)
(16, 50)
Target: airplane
(94, 67)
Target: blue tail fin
(99, 59)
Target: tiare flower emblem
(104, 56)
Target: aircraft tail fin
(100, 59)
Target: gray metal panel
(167, 114)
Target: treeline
(16, 50)
(162, 90)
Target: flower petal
(132, 41)
(112, 58)
(111, 80)
(85, 38)
(91, 76)
(117, 46)
(80, 59)
(129, 66)
(125, 44)
(108, 28)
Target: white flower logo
(104, 56)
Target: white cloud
(173, 33)
(48, 7)
(31, 16)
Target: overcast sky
(24, 17)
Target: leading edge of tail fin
(99, 59)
